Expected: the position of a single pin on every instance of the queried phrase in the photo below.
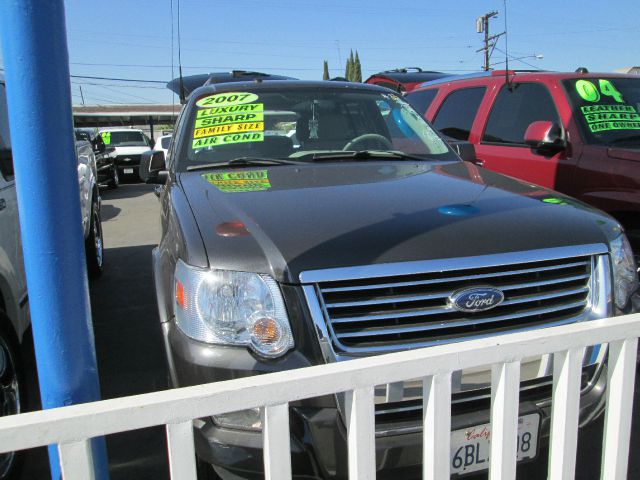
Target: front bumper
(318, 434)
(123, 162)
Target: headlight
(232, 308)
(625, 275)
(243, 420)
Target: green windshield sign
(610, 116)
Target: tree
(325, 73)
(347, 70)
(352, 67)
(357, 74)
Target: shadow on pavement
(131, 190)
(130, 361)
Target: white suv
(130, 144)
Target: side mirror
(545, 135)
(152, 167)
(99, 146)
(465, 150)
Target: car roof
(120, 129)
(524, 75)
(289, 85)
(404, 75)
(191, 82)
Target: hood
(624, 153)
(337, 215)
(131, 150)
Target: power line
(146, 87)
(138, 97)
(120, 79)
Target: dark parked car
(404, 80)
(576, 132)
(362, 239)
(105, 157)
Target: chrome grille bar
(450, 279)
(407, 309)
(460, 323)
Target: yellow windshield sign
(227, 139)
(211, 112)
(232, 128)
(225, 99)
(234, 182)
(226, 119)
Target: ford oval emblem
(476, 299)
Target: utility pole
(81, 94)
(482, 26)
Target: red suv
(578, 133)
(404, 79)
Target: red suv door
(500, 144)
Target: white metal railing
(72, 427)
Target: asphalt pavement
(131, 358)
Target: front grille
(133, 160)
(412, 310)
(408, 413)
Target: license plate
(128, 170)
(471, 446)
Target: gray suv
(314, 222)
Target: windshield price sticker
(225, 119)
(106, 137)
(611, 117)
(225, 99)
(227, 139)
(233, 182)
(211, 112)
(232, 128)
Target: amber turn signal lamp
(266, 330)
(180, 297)
(232, 229)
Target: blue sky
(133, 39)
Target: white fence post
(182, 455)
(436, 409)
(76, 460)
(276, 442)
(565, 409)
(361, 431)
(505, 390)
(617, 425)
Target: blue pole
(40, 118)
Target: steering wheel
(368, 138)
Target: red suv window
(457, 112)
(516, 107)
(421, 99)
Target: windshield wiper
(365, 155)
(244, 162)
(629, 138)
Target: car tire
(115, 178)
(12, 398)
(94, 245)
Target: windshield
(304, 124)
(606, 109)
(164, 142)
(124, 139)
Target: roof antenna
(182, 96)
(506, 48)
